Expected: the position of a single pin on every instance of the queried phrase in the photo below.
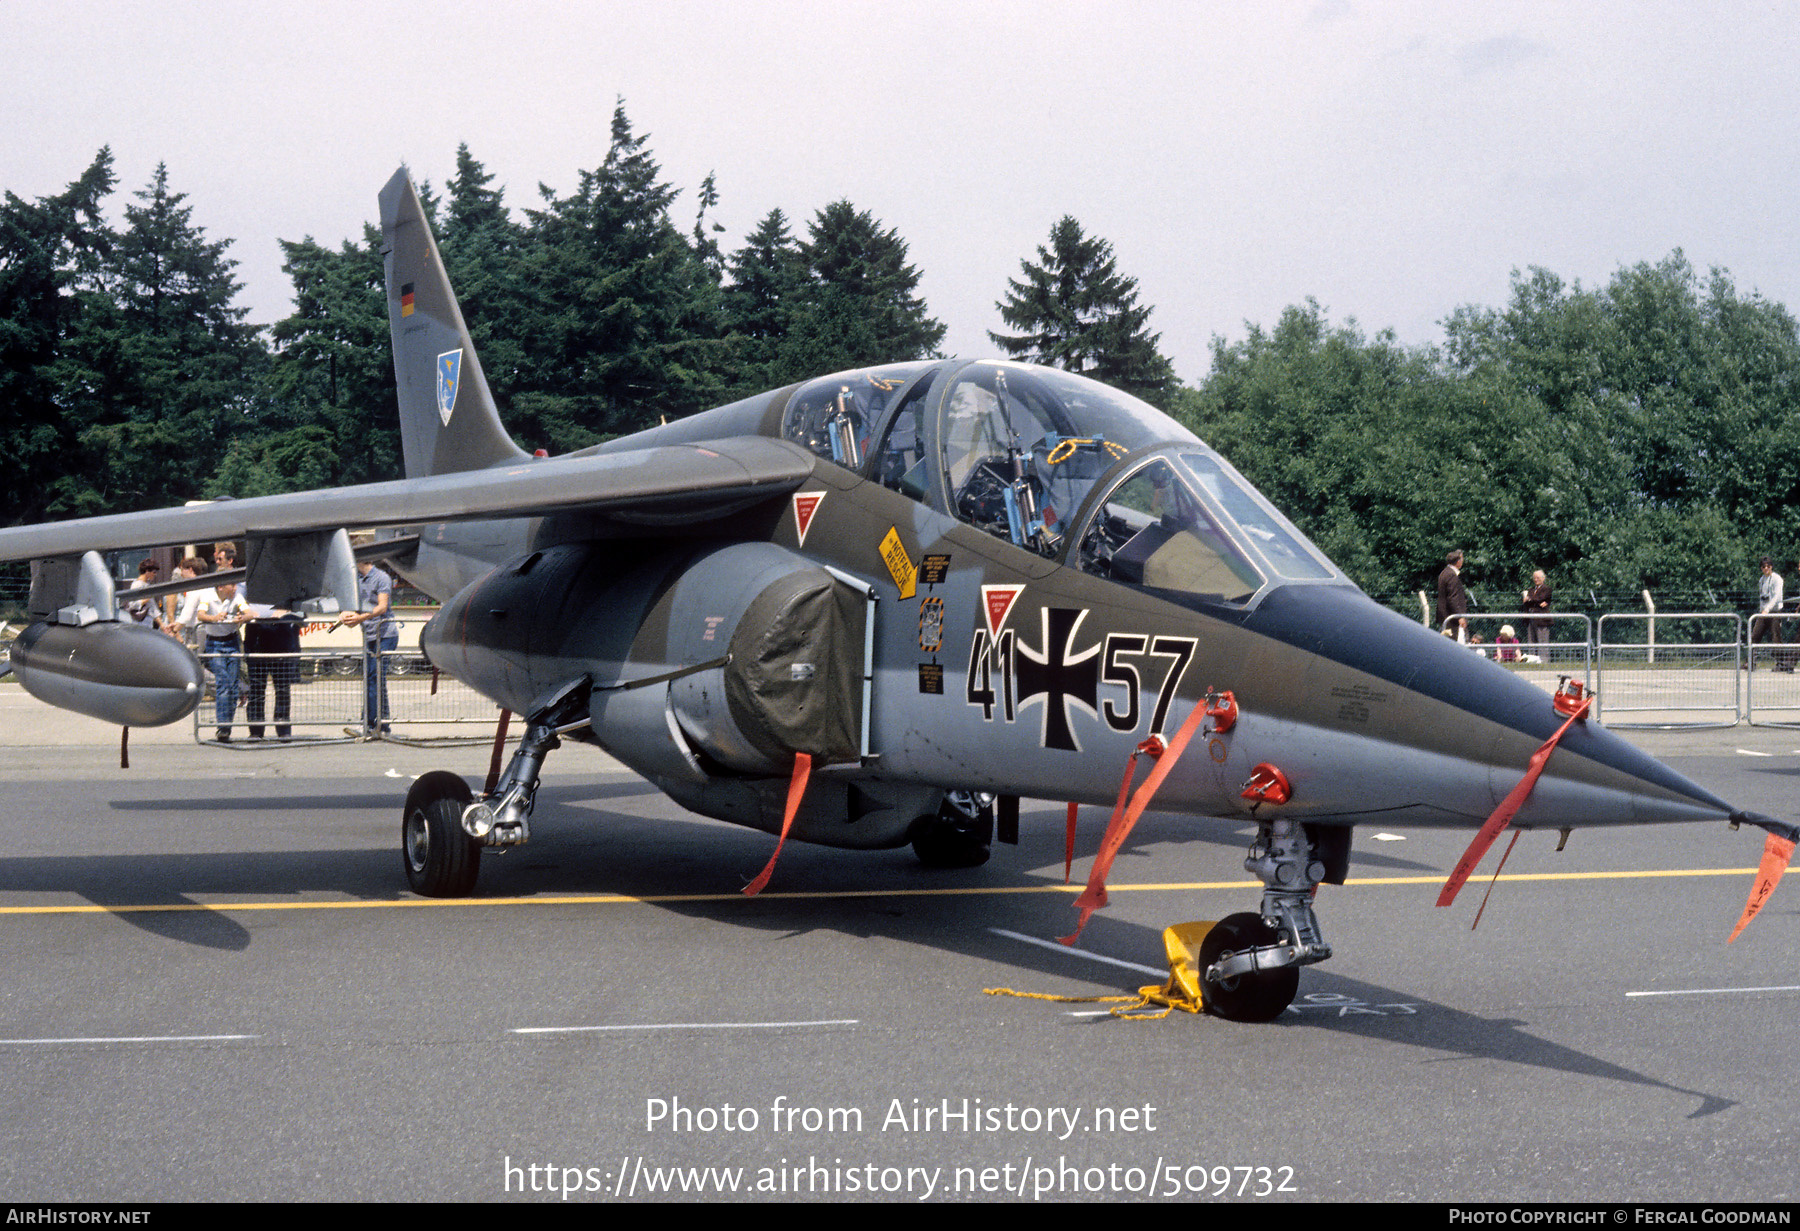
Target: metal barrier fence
(325, 694)
(1543, 662)
(1772, 686)
(1685, 668)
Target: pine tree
(861, 289)
(767, 276)
(332, 376)
(474, 207)
(45, 247)
(622, 321)
(706, 244)
(163, 372)
(1075, 311)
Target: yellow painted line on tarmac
(1637, 874)
(622, 899)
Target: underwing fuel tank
(120, 673)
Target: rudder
(448, 421)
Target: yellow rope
(1182, 991)
(1128, 1006)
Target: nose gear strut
(499, 819)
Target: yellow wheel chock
(1182, 991)
(1182, 941)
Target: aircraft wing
(682, 482)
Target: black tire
(1258, 997)
(958, 836)
(441, 861)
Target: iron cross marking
(1058, 677)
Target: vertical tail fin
(447, 417)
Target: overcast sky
(1392, 160)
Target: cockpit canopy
(1062, 466)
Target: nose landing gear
(444, 826)
(1250, 963)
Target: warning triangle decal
(997, 602)
(805, 505)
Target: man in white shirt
(182, 607)
(1768, 603)
(221, 615)
(144, 610)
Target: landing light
(478, 820)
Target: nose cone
(1495, 719)
(120, 673)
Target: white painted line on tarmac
(138, 1038)
(1745, 752)
(1389, 837)
(1715, 991)
(842, 1021)
(1057, 946)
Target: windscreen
(1153, 532)
(1283, 547)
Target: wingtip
(1781, 829)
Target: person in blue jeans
(375, 595)
(221, 616)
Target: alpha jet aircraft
(865, 610)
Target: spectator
(144, 610)
(1768, 594)
(181, 626)
(225, 558)
(1538, 599)
(1452, 598)
(222, 615)
(271, 656)
(375, 595)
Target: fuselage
(1032, 610)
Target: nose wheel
(1256, 995)
(441, 860)
(443, 828)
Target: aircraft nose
(1593, 778)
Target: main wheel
(441, 860)
(958, 836)
(1256, 997)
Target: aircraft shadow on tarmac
(1349, 1006)
(697, 866)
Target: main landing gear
(444, 826)
(1250, 963)
(960, 835)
